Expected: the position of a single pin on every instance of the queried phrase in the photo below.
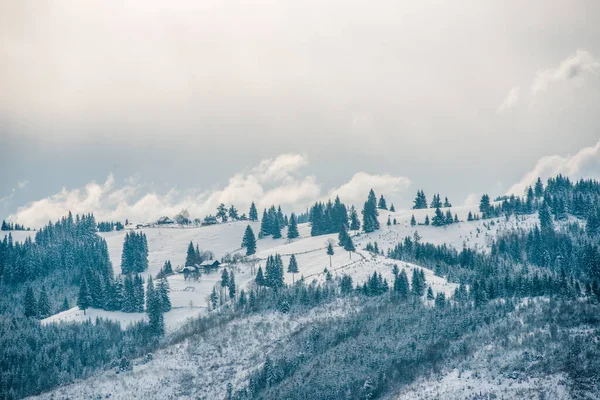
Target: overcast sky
(132, 108)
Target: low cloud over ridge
(273, 181)
(583, 164)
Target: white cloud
(472, 199)
(511, 99)
(272, 181)
(355, 190)
(22, 184)
(572, 67)
(585, 162)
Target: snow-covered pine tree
(149, 292)
(31, 306)
(190, 258)
(293, 267)
(330, 251)
(222, 212)
(253, 213)
(156, 320)
(382, 205)
(370, 222)
(84, 300)
(420, 201)
(249, 241)
(292, 232)
(354, 221)
(44, 309)
(231, 286)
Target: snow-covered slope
(201, 366)
(189, 298)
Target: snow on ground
(190, 298)
(201, 366)
(171, 242)
(474, 234)
(457, 385)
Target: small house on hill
(210, 265)
(165, 221)
(210, 220)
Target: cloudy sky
(138, 108)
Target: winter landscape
(296, 200)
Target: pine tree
(392, 209)
(233, 213)
(242, 300)
(382, 205)
(253, 213)
(449, 218)
(231, 286)
(249, 241)
(349, 245)
(413, 221)
(447, 203)
(276, 229)
(265, 224)
(435, 202)
(168, 268)
(389, 221)
(440, 300)
(354, 222)
(149, 292)
(224, 279)
(420, 201)
(427, 220)
(84, 301)
(190, 258)
(329, 252)
(401, 286)
(129, 303)
(370, 222)
(546, 224)
(156, 320)
(430, 293)
(438, 218)
(417, 283)
(293, 267)
(138, 293)
(214, 298)
(31, 307)
(260, 278)
(539, 188)
(222, 212)
(484, 206)
(292, 232)
(44, 304)
(65, 305)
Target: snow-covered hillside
(201, 366)
(189, 298)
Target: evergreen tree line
(273, 221)
(109, 226)
(69, 245)
(36, 358)
(9, 226)
(134, 258)
(328, 217)
(124, 293)
(273, 276)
